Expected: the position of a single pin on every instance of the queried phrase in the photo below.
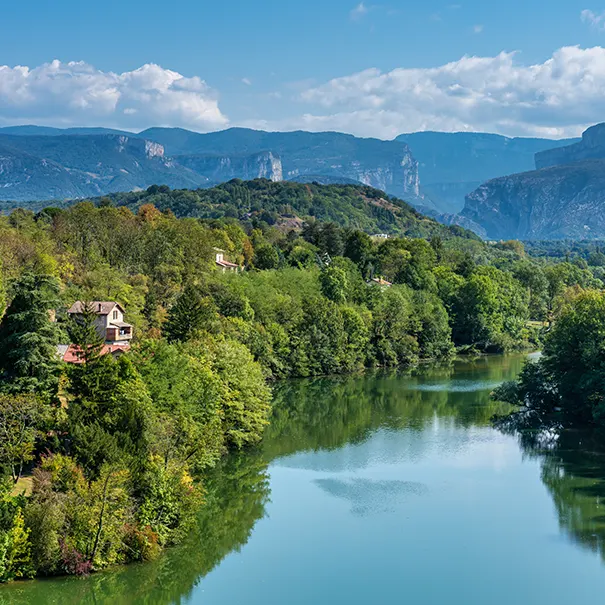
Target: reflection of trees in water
(237, 493)
(326, 413)
(308, 415)
(573, 471)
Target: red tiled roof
(74, 353)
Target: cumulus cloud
(77, 93)
(559, 97)
(596, 20)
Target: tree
(566, 385)
(334, 284)
(20, 421)
(84, 335)
(393, 328)
(266, 257)
(358, 248)
(29, 337)
(189, 316)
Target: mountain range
(46, 163)
(526, 188)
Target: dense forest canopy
(351, 206)
(102, 459)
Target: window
(115, 315)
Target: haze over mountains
(481, 181)
(564, 198)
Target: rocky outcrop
(566, 201)
(75, 166)
(453, 164)
(592, 146)
(219, 168)
(386, 165)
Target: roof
(74, 353)
(120, 324)
(381, 282)
(101, 307)
(225, 263)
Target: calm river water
(375, 489)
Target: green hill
(353, 206)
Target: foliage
(28, 337)
(566, 385)
(21, 418)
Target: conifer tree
(29, 337)
(188, 316)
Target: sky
(373, 69)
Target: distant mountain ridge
(431, 170)
(452, 165)
(107, 161)
(590, 147)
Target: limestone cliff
(219, 168)
(566, 201)
(591, 147)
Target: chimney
(100, 307)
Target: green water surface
(377, 489)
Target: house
(109, 322)
(222, 264)
(380, 282)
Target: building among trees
(224, 265)
(110, 323)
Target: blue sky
(374, 68)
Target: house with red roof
(224, 265)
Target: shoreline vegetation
(116, 447)
(565, 387)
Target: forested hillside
(351, 206)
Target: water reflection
(573, 471)
(367, 496)
(350, 424)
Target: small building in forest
(224, 265)
(109, 320)
(380, 282)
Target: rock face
(452, 165)
(386, 165)
(93, 161)
(566, 201)
(220, 168)
(591, 147)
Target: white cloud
(247, 81)
(596, 20)
(558, 97)
(478, 29)
(359, 11)
(77, 93)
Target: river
(381, 488)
